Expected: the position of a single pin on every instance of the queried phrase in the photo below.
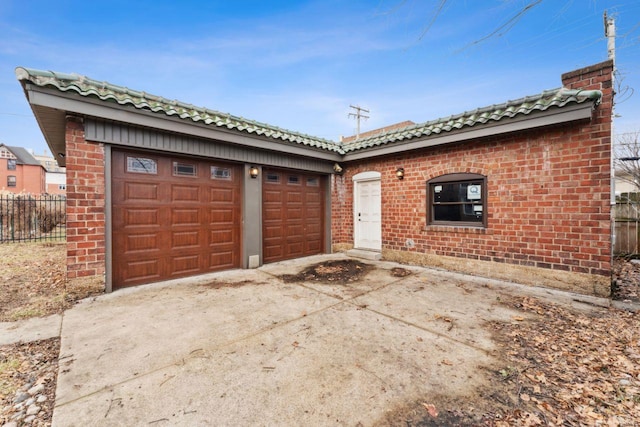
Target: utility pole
(358, 115)
(610, 34)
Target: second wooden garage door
(293, 215)
(173, 217)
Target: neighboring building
(382, 130)
(624, 184)
(157, 189)
(20, 172)
(56, 178)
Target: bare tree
(627, 158)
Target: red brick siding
(85, 203)
(548, 194)
(29, 178)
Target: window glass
(220, 173)
(142, 165)
(293, 180)
(313, 182)
(11, 164)
(184, 169)
(11, 181)
(272, 178)
(458, 202)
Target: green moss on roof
(104, 91)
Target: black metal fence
(32, 218)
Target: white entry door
(367, 215)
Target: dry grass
(33, 281)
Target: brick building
(158, 189)
(20, 172)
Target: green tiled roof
(144, 101)
(87, 87)
(523, 106)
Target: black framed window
(457, 199)
(11, 181)
(11, 164)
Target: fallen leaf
(431, 409)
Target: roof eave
(50, 105)
(552, 116)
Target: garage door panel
(271, 196)
(144, 217)
(294, 197)
(181, 265)
(293, 213)
(147, 269)
(274, 251)
(314, 245)
(182, 216)
(167, 226)
(313, 198)
(185, 239)
(295, 249)
(273, 214)
(222, 195)
(185, 193)
(294, 232)
(221, 236)
(141, 242)
(139, 191)
(221, 260)
(274, 231)
(222, 216)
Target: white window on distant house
(457, 199)
(11, 181)
(11, 164)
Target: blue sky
(300, 64)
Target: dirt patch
(33, 281)
(218, 284)
(400, 272)
(335, 271)
(555, 367)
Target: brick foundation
(548, 219)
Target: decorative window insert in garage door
(293, 215)
(173, 217)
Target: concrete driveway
(259, 351)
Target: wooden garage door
(293, 215)
(173, 217)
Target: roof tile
(87, 87)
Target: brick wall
(85, 204)
(548, 201)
